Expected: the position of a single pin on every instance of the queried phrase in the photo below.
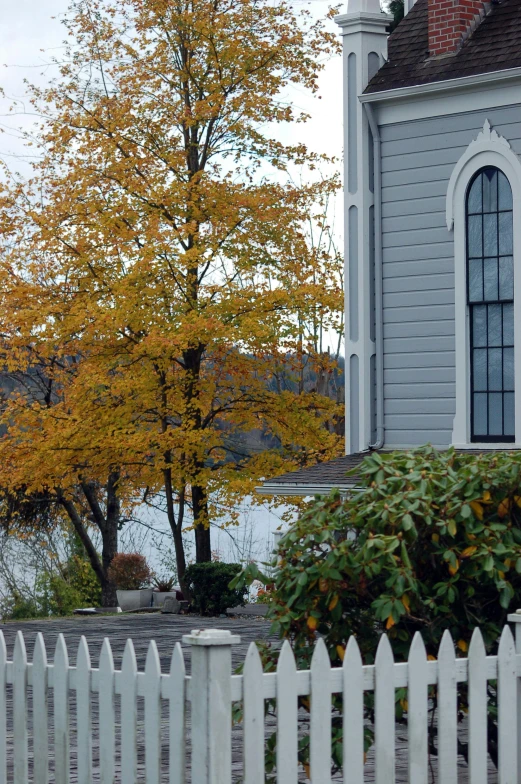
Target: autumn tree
(162, 244)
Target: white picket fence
(211, 689)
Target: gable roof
(493, 46)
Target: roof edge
(397, 93)
(286, 489)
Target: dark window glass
(490, 295)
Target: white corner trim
(488, 149)
(487, 140)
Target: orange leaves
(462, 645)
(468, 551)
(333, 603)
(477, 508)
(312, 623)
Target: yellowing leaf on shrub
(341, 652)
(435, 537)
(390, 622)
(468, 551)
(462, 645)
(307, 769)
(503, 507)
(477, 509)
(312, 623)
(333, 603)
(486, 497)
(406, 603)
(323, 585)
(517, 499)
(454, 569)
(430, 657)
(501, 575)
(405, 705)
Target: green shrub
(431, 542)
(209, 586)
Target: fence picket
(353, 709)
(40, 712)
(253, 750)
(320, 722)
(152, 715)
(107, 717)
(3, 711)
(83, 713)
(384, 713)
(447, 712)
(477, 690)
(177, 716)
(287, 717)
(417, 712)
(61, 711)
(21, 774)
(129, 714)
(507, 708)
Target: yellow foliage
(312, 623)
(390, 622)
(334, 601)
(341, 652)
(406, 603)
(462, 645)
(468, 551)
(454, 569)
(477, 509)
(503, 507)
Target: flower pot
(135, 600)
(158, 597)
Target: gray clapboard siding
(418, 158)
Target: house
(432, 124)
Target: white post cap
(208, 637)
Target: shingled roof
(493, 46)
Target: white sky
(29, 37)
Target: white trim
(489, 149)
(285, 489)
(448, 84)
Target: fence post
(211, 700)
(515, 618)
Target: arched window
(490, 296)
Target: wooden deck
(166, 630)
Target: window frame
(489, 149)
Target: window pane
(474, 198)
(480, 369)
(506, 229)
(494, 325)
(508, 325)
(508, 414)
(479, 325)
(505, 193)
(495, 414)
(475, 280)
(489, 190)
(475, 240)
(491, 280)
(506, 278)
(495, 369)
(490, 234)
(480, 414)
(508, 368)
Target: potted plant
(163, 587)
(132, 576)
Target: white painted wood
(107, 718)
(253, 749)
(61, 711)
(3, 711)
(353, 719)
(176, 695)
(507, 709)
(447, 712)
(152, 715)
(417, 713)
(477, 680)
(320, 720)
(384, 713)
(287, 726)
(129, 714)
(83, 713)
(21, 775)
(517, 637)
(40, 712)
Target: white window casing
(488, 149)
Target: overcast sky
(30, 37)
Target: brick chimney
(449, 23)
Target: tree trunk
(109, 537)
(176, 526)
(203, 550)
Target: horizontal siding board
(412, 344)
(453, 139)
(408, 314)
(422, 174)
(421, 389)
(439, 250)
(406, 375)
(443, 405)
(419, 421)
(420, 282)
(404, 438)
(427, 298)
(408, 191)
(404, 223)
(422, 329)
(416, 267)
(469, 121)
(420, 359)
(408, 207)
(410, 159)
(426, 236)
